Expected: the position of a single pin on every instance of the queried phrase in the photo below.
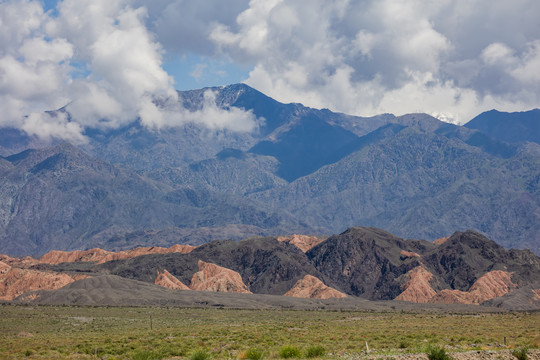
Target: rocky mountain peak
(313, 288)
(212, 277)
(169, 281)
(417, 287)
(303, 242)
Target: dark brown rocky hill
(266, 265)
(367, 263)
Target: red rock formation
(441, 240)
(7, 259)
(313, 288)
(489, 286)
(56, 257)
(408, 254)
(215, 278)
(417, 288)
(4, 268)
(303, 242)
(169, 281)
(15, 282)
(128, 254)
(536, 295)
(182, 249)
(24, 262)
(101, 256)
(492, 285)
(448, 296)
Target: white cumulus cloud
(121, 56)
(452, 59)
(172, 114)
(103, 59)
(96, 58)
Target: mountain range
(302, 170)
(357, 265)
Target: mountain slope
(303, 170)
(144, 149)
(370, 263)
(423, 185)
(306, 146)
(363, 262)
(231, 171)
(61, 198)
(266, 265)
(510, 127)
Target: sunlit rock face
(212, 277)
(313, 288)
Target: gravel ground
(467, 355)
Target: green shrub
(146, 355)
(289, 351)
(200, 355)
(437, 353)
(521, 354)
(403, 344)
(315, 351)
(254, 354)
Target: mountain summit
(302, 170)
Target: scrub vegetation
(56, 332)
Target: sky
(107, 61)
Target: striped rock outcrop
(313, 288)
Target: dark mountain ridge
(465, 256)
(362, 262)
(410, 181)
(308, 145)
(266, 265)
(510, 127)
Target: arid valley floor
(64, 332)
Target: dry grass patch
(124, 332)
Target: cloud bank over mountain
(449, 58)
(104, 60)
(96, 58)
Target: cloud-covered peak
(450, 59)
(104, 60)
(95, 58)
